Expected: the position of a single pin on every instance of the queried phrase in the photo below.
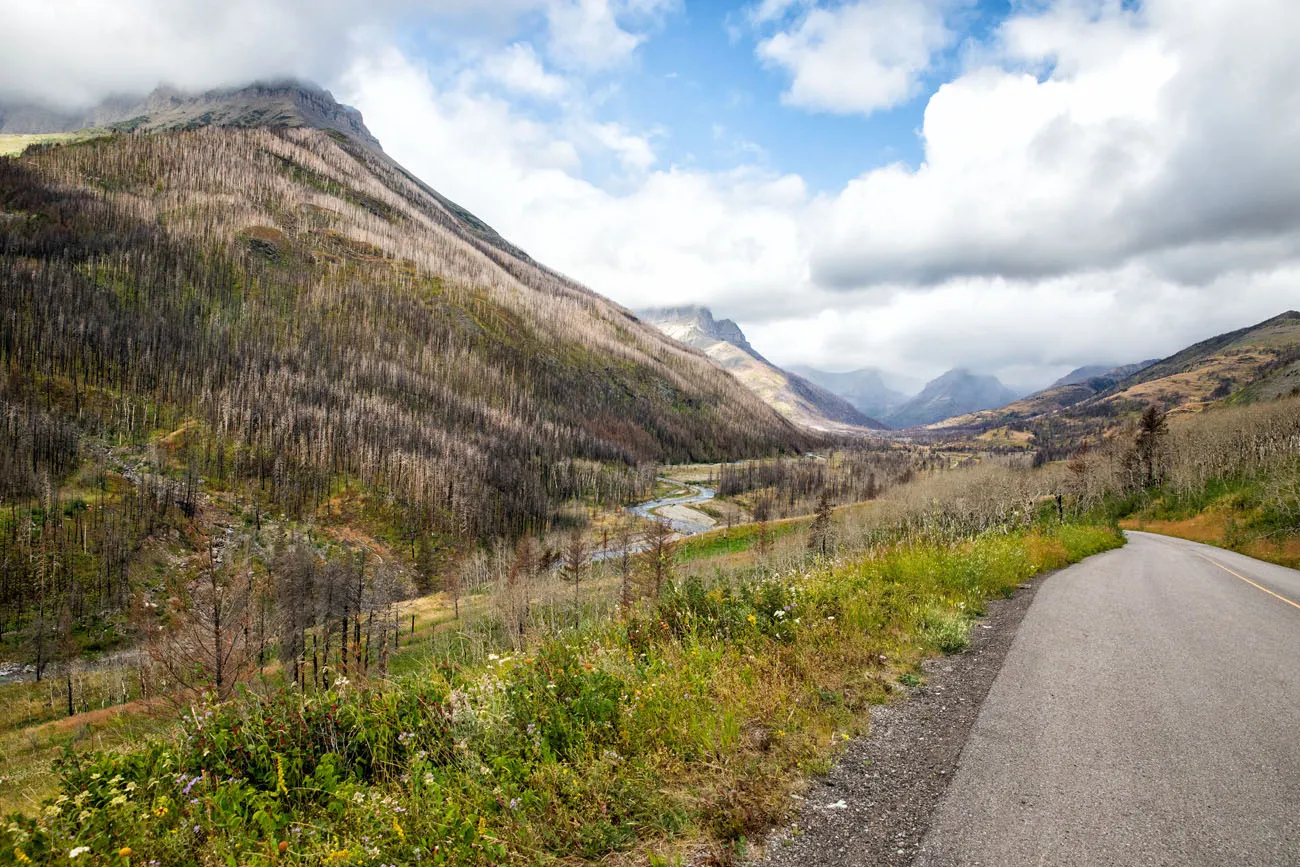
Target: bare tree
(762, 510)
(820, 540)
(625, 541)
(1153, 426)
(658, 557)
(573, 561)
(204, 647)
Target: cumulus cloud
(671, 236)
(856, 57)
(519, 70)
(1133, 146)
(74, 53)
(593, 34)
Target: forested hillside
(274, 317)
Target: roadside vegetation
(687, 719)
(660, 704)
(1229, 477)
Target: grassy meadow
(683, 724)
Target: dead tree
(204, 647)
(658, 557)
(573, 561)
(819, 532)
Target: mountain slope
(1259, 362)
(956, 392)
(865, 388)
(249, 267)
(807, 405)
(1072, 389)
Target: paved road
(1148, 713)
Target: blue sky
(1016, 187)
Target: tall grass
(689, 719)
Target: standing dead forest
(220, 347)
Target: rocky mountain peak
(280, 103)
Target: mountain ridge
(955, 392)
(229, 274)
(865, 388)
(804, 403)
(275, 103)
(1260, 361)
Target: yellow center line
(1290, 602)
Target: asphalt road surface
(1148, 713)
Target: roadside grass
(677, 730)
(1254, 515)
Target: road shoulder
(875, 805)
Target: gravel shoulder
(875, 805)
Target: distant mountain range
(806, 404)
(956, 392)
(866, 389)
(1261, 362)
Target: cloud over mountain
(1132, 170)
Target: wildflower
(160, 811)
(279, 773)
(21, 856)
(401, 835)
(78, 852)
(124, 852)
(752, 620)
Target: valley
(335, 528)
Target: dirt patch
(687, 514)
(875, 805)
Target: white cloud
(594, 35)
(518, 69)
(673, 236)
(633, 151)
(74, 53)
(1135, 148)
(857, 57)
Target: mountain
(954, 393)
(240, 286)
(1256, 363)
(284, 104)
(865, 389)
(1088, 372)
(1071, 389)
(807, 405)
